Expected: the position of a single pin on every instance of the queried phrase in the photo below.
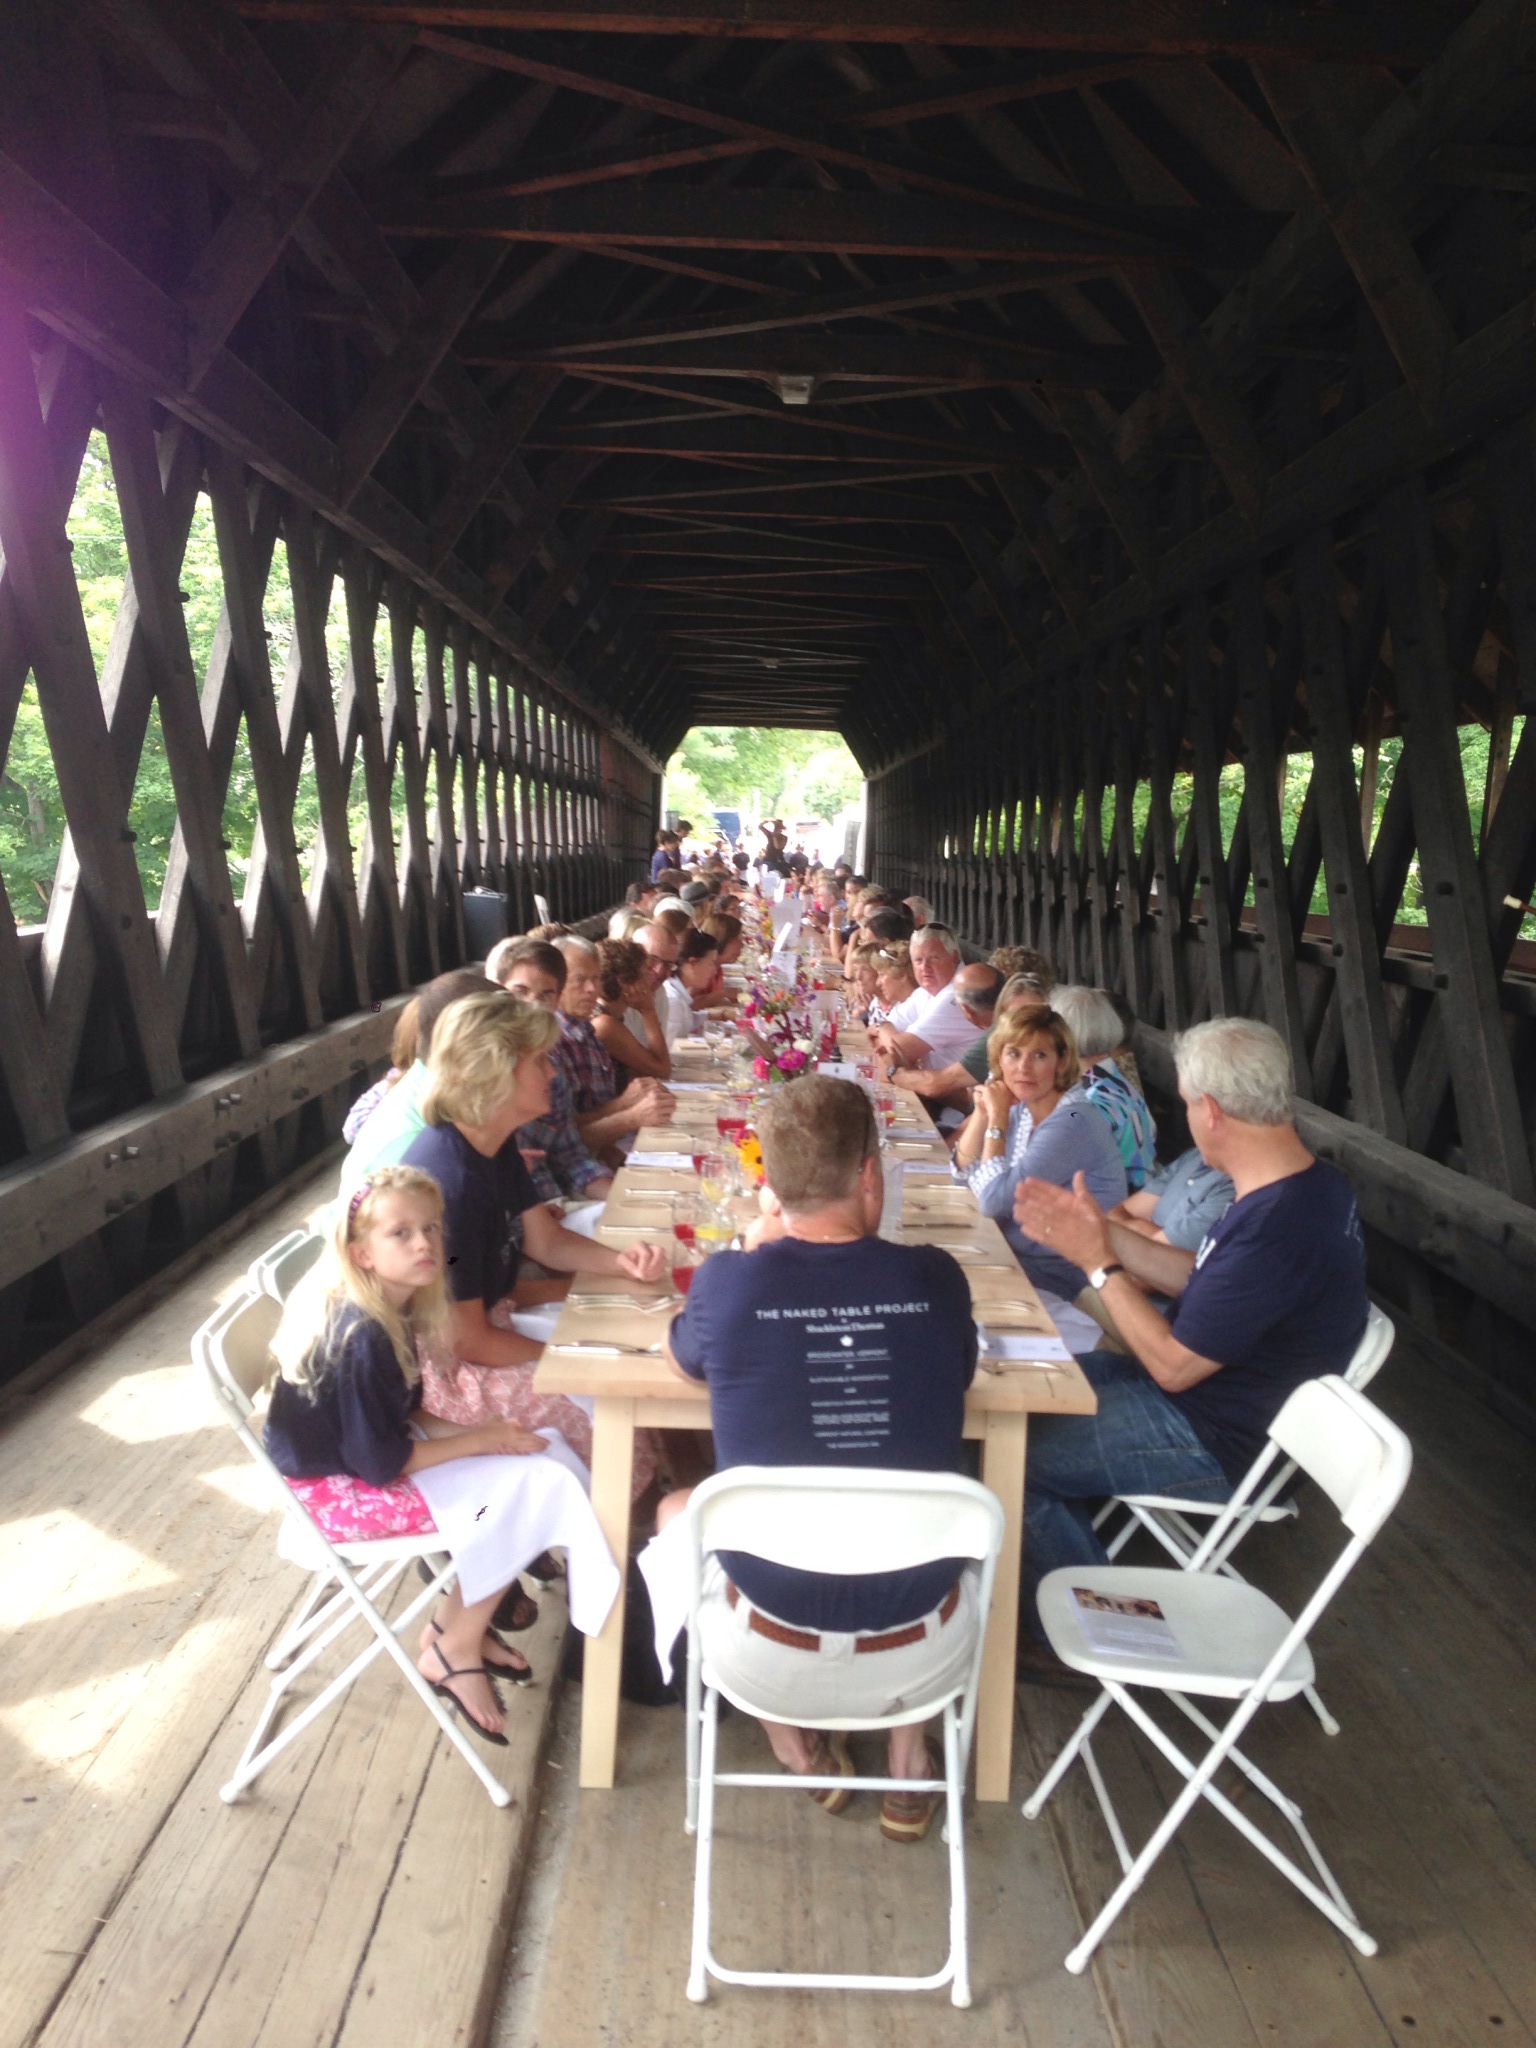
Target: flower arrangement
(781, 1063)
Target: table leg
(1002, 1469)
(613, 1464)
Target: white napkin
(1011, 1344)
(696, 1087)
(498, 1513)
(1078, 1331)
(672, 1160)
(664, 1566)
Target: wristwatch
(996, 1131)
(1100, 1274)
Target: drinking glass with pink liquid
(685, 1216)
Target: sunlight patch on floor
(59, 1562)
(144, 1407)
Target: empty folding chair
(1173, 1521)
(541, 907)
(840, 1520)
(350, 1579)
(1183, 1633)
(282, 1265)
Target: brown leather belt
(807, 1639)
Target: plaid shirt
(567, 1167)
(586, 1067)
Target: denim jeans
(1139, 1442)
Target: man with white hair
(928, 1028)
(921, 909)
(1274, 1296)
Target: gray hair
(1091, 1017)
(940, 932)
(1022, 988)
(1242, 1065)
(572, 942)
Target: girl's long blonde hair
(306, 1336)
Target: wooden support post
(1357, 970)
(1482, 1076)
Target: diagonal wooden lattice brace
(1482, 1074)
(250, 240)
(311, 572)
(1357, 979)
(48, 606)
(274, 865)
(447, 886)
(361, 724)
(403, 751)
(155, 531)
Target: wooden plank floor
(1425, 1804)
(361, 1890)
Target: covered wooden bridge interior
(1117, 420)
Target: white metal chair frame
(804, 1516)
(1171, 1519)
(1362, 1461)
(350, 1579)
(282, 1265)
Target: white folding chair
(1173, 1520)
(282, 1265)
(1229, 1641)
(350, 1579)
(832, 1518)
(541, 906)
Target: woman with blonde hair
(895, 983)
(489, 1074)
(1033, 1120)
(345, 1423)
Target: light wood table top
(608, 1346)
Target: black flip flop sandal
(457, 1706)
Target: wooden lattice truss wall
(1060, 400)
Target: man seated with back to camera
(1274, 1296)
(759, 1327)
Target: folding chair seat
(1173, 1521)
(867, 1521)
(1183, 1633)
(281, 1266)
(350, 1580)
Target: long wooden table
(630, 1391)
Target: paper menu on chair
(1118, 1626)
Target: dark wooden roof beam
(1155, 28)
(841, 223)
(951, 358)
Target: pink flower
(792, 1061)
(760, 1068)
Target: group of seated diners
(1196, 1294)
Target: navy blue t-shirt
(355, 1419)
(482, 1202)
(1278, 1296)
(833, 1354)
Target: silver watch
(996, 1131)
(1100, 1274)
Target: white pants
(835, 1682)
